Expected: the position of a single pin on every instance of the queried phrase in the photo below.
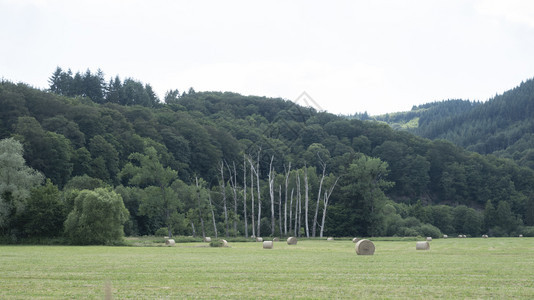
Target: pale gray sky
(349, 56)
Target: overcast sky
(349, 56)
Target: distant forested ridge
(503, 126)
(212, 163)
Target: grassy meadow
(452, 268)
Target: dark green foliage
(45, 212)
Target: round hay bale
(484, 236)
(445, 236)
(520, 235)
(276, 239)
(429, 239)
(330, 239)
(355, 240)
(365, 247)
(268, 245)
(460, 236)
(207, 239)
(422, 246)
(225, 243)
(291, 240)
(170, 242)
(464, 236)
(259, 239)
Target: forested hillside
(211, 163)
(503, 126)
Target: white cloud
(515, 11)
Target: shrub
(217, 243)
(429, 230)
(163, 231)
(526, 231)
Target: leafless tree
(280, 209)
(252, 196)
(233, 184)
(306, 201)
(271, 193)
(285, 203)
(323, 164)
(245, 195)
(326, 199)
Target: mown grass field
(453, 268)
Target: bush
(163, 231)
(218, 243)
(497, 231)
(429, 230)
(405, 231)
(526, 231)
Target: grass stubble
(452, 268)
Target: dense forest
(503, 126)
(223, 164)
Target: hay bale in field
(365, 247)
(225, 243)
(330, 239)
(445, 236)
(207, 239)
(355, 240)
(170, 242)
(422, 246)
(460, 236)
(520, 235)
(291, 240)
(276, 239)
(268, 245)
(259, 239)
(429, 239)
(484, 236)
(464, 236)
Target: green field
(453, 268)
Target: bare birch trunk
(291, 213)
(318, 200)
(252, 197)
(326, 198)
(271, 194)
(298, 208)
(285, 203)
(280, 209)
(193, 227)
(306, 201)
(245, 195)
(257, 171)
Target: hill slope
(503, 126)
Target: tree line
(234, 165)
